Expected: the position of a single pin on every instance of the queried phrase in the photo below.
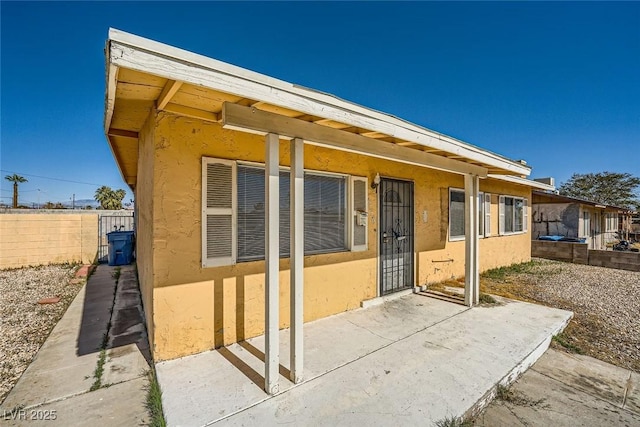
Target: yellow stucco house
(262, 205)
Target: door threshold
(390, 297)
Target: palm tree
(15, 178)
(108, 198)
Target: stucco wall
(559, 219)
(144, 221)
(196, 309)
(36, 239)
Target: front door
(396, 235)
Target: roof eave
(131, 51)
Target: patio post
(471, 240)
(272, 261)
(297, 259)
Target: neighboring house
(219, 157)
(630, 226)
(556, 215)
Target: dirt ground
(25, 324)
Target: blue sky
(556, 84)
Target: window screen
(456, 213)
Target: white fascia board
(137, 53)
(523, 181)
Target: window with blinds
(234, 212)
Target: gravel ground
(605, 302)
(25, 324)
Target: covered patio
(412, 360)
(146, 78)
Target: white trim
(137, 53)
(456, 238)
(255, 121)
(296, 236)
(461, 237)
(523, 181)
(472, 241)
(502, 217)
(487, 214)
(272, 264)
(217, 262)
(353, 214)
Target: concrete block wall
(37, 239)
(578, 253)
(615, 259)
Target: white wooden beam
(194, 113)
(140, 54)
(471, 240)
(110, 97)
(170, 89)
(297, 260)
(272, 262)
(252, 120)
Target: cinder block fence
(36, 239)
(578, 253)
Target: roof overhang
(524, 181)
(558, 198)
(143, 75)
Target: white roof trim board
(523, 181)
(144, 55)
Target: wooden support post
(272, 261)
(471, 248)
(297, 259)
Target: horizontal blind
(251, 227)
(324, 213)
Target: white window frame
(484, 214)
(611, 222)
(220, 261)
(354, 213)
(232, 260)
(501, 215)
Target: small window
(456, 214)
(514, 215)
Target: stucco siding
(197, 308)
(144, 194)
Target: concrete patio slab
(413, 360)
(593, 376)
(118, 405)
(567, 390)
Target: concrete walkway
(568, 390)
(410, 361)
(58, 381)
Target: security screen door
(396, 235)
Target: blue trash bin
(120, 247)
